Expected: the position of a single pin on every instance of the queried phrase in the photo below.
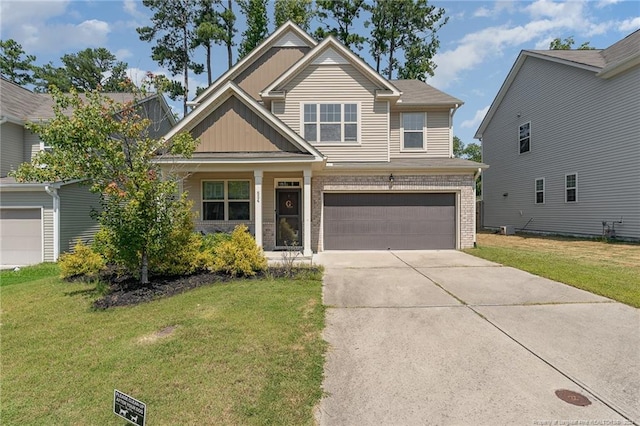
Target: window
(331, 122)
(540, 191)
(571, 188)
(525, 137)
(226, 200)
(413, 130)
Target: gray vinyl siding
(339, 84)
(160, 122)
(579, 124)
(76, 223)
(438, 132)
(39, 200)
(11, 151)
(31, 145)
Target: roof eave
(619, 67)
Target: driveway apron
(442, 337)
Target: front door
(288, 231)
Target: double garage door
(20, 236)
(382, 221)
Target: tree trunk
(230, 38)
(209, 63)
(185, 46)
(144, 268)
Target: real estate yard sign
(129, 408)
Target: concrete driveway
(441, 338)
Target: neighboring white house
(39, 221)
(562, 138)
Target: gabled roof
(419, 93)
(605, 63)
(389, 90)
(215, 100)
(287, 29)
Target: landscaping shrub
(83, 262)
(240, 255)
(211, 241)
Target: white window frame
(424, 132)
(226, 200)
(536, 191)
(520, 139)
(566, 188)
(342, 122)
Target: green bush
(83, 262)
(212, 241)
(240, 255)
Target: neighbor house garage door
(400, 221)
(20, 236)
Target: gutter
(53, 191)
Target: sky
(478, 45)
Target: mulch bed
(126, 290)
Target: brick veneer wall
(464, 184)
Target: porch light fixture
(391, 178)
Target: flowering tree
(106, 144)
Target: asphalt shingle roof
(416, 92)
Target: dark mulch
(126, 290)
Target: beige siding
(76, 223)
(579, 124)
(31, 145)
(437, 136)
(40, 200)
(233, 127)
(267, 68)
(11, 141)
(340, 84)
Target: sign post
(129, 408)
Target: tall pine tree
(343, 14)
(255, 12)
(299, 12)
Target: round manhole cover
(573, 397)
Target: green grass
(28, 273)
(246, 352)
(617, 282)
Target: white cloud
(14, 14)
(605, 3)
(476, 120)
(483, 12)
(629, 24)
(131, 7)
(123, 54)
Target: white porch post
(307, 214)
(257, 174)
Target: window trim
(424, 132)
(342, 123)
(520, 139)
(566, 188)
(226, 200)
(536, 191)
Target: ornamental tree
(106, 145)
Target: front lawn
(242, 352)
(608, 269)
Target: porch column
(257, 212)
(307, 214)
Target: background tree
(472, 152)
(299, 12)
(208, 31)
(106, 144)
(227, 23)
(173, 29)
(404, 28)
(567, 44)
(343, 13)
(15, 64)
(255, 12)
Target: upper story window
(331, 122)
(226, 200)
(414, 130)
(524, 137)
(540, 191)
(571, 188)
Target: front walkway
(443, 338)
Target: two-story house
(563, 140)
(38, 221)
(308, 146)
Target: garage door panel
(389, 221)
(20, 236)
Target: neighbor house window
(525, 137)
(331, 122)
(413, 130)
(226, 200)
(540, 191)
(571, 188)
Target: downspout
(56, 220)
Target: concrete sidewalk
(442, 337)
